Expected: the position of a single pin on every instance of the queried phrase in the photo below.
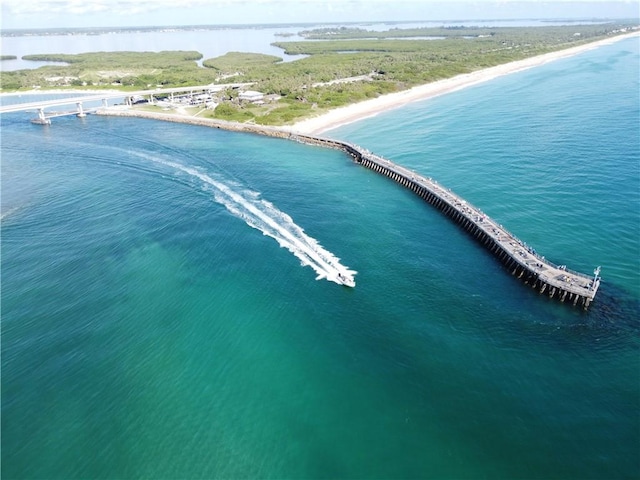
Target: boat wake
(264, 216)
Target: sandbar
(369, 108)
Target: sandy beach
(368, 108)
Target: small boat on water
(346, 280)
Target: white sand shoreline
(369, 108)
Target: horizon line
(294, 24)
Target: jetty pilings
(520, 260)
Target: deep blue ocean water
(153, 325)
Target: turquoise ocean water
(158, 321)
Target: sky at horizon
(25, 14)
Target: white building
(251, 96)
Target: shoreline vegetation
(330, 87)
(368, 108)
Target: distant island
(27, 32)
(343, 66)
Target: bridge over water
(44, 117)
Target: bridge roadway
(521, 260)
(40, 105)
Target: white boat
(346, 280)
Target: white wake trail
(264, 216)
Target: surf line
(264, 216)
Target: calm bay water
(153, 326)
(210, 41)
